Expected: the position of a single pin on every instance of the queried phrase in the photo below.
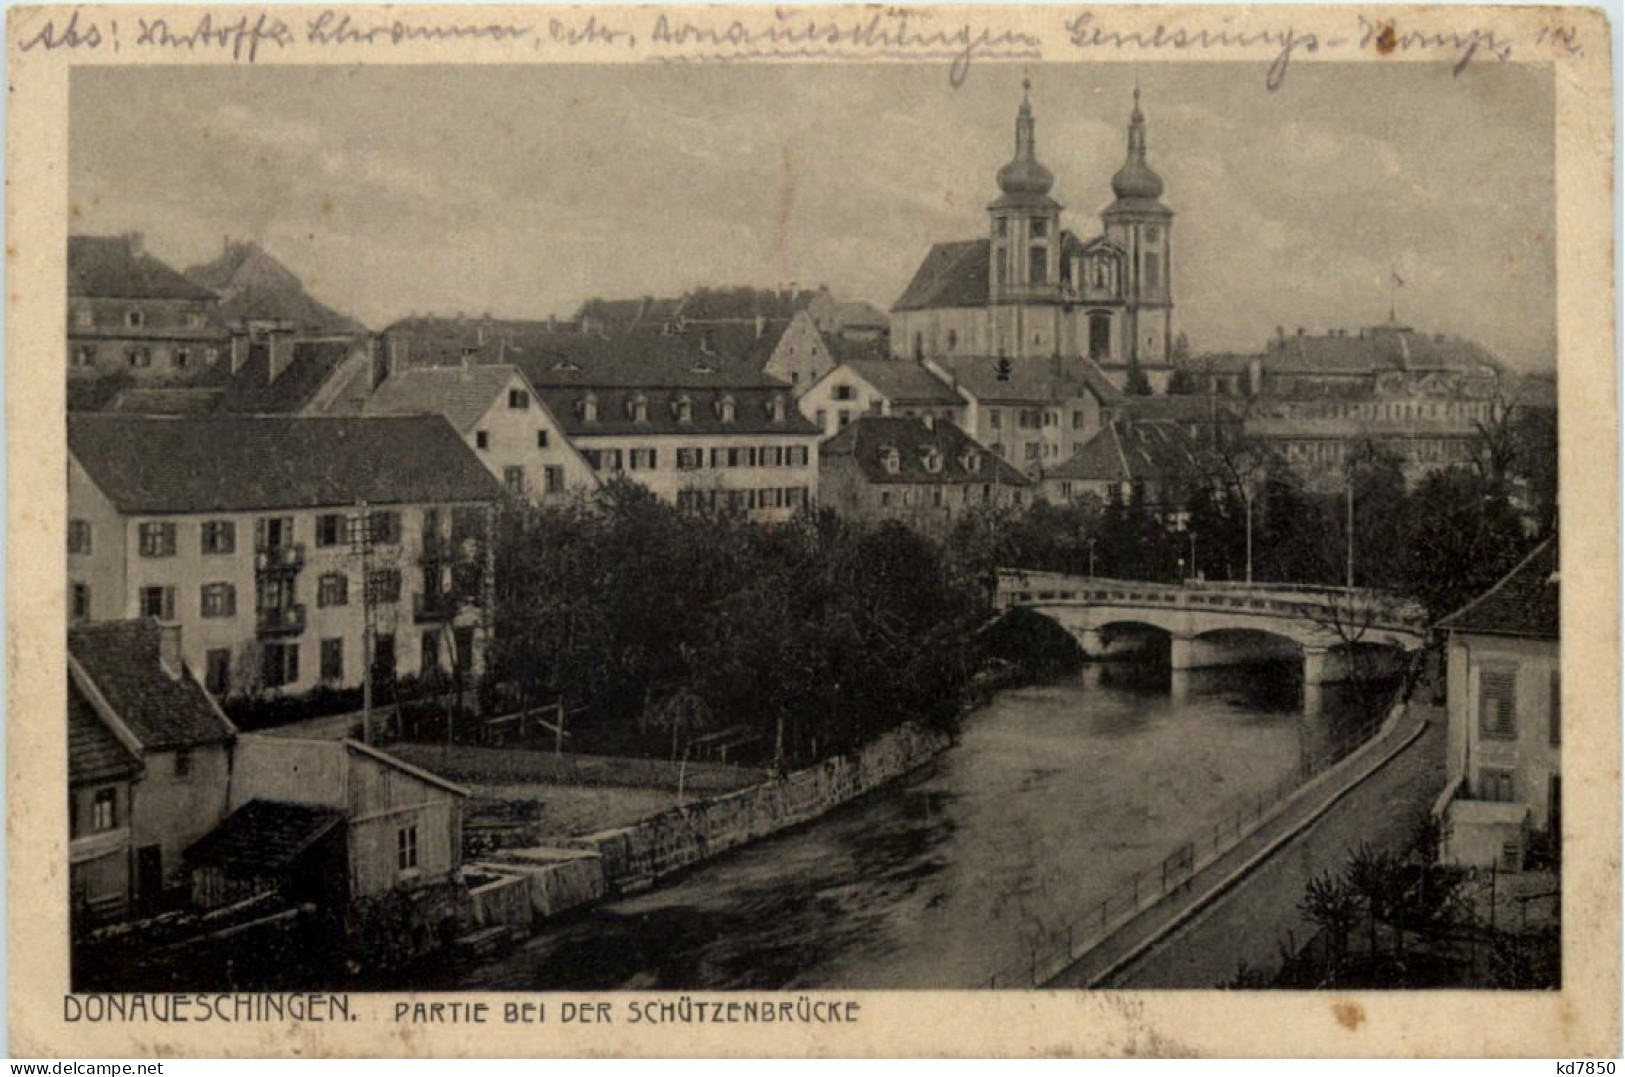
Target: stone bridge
(1217, 624)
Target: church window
(1038, 265)
(1153, 234)
(1003, 267)
(1100, 335)
(1040, 229)
(1153, 272)
(1002, 227)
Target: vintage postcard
(812, 531)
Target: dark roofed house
(1160, 459)
(920, 470)
(149, 764)
(246, 530)
(897, 387)
(133, 318)
(1504, 696)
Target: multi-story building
(1032, 290)
(129, 313)
(500, 416)
(149, 765)
(1504, 693)
(1033, 414)
(270, 541)
(1315, 399)
(862, 387)
(918, 470)
(695, 434)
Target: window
(158, 602)
(644, 459)
(553, 478)
(1153, 234)
(383, 656)
(1038, 229)
(843, 392)
(518, 399)
(330, 529)
(1496, 784)
(821, 418)
(157, 540)
(79, 601)
(104, 809)
(84, 355)
(885, 499)
(79, 536)
(1002, 226)
(725, 409)
(274, 532)
(1153, 272)
(1077, 420)
(771, 455)
(333, 589)
(1037, 265)
(84, 317)
(385, 528)
(183, 358)
(1555, 708)
(690, 459)
(217, 670)
(513, 480)
(281, 664)
(541, 439)
(1497, 703)
(135, 318)
(482, 439)
(218, 536)
(406, 849)
(1100, 334)
(183, 764)
(219, 600)
(995, 419)
(1034, 450)
(891, 460)
(332, 659)
(430, 653)
(140, 358)
(953, 339)
(844, 417)
(384, 585)
(462, 640)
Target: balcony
(439, 549)
(440, 606)
(285, 558)
(280, 621)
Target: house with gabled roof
(501, 417)
(149, 764)
(131, 314)
(1504, 692)
(916, 469)
(860, 387)
(261, 536)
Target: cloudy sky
(523, 190)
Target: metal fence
(1060, 947)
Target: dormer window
(775, 408)
(683, 409)
(725, 409)
(565, 364)
(891, 460)
(971, 461)
(638, 406)
(932, 459)
(135, 318)
(589, 408)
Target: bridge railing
(1019, 588)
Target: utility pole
(1247, 500)
(361, 544)
(1350, 572)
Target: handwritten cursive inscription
(334, 28)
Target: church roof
(952, 275)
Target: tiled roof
(263, 837)
(255, 286)
(109, 267)
(168, 400)
(904, 381)
(869, 439)
(1524, 603)
(161, 710)
(1383, 347)
(95, 754)
(752, 410)
(844, 349)
(249, 391)
(1030, 380)
(241, 464)
(1183, 409)
(742, 304)
(724, 355)
(952, 275)
(462, 394)
(1146, 452)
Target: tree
(683, 714)
(1330, 904)
(1463, 535)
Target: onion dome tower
(1142, 226)
(1024, 221)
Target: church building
(1033, 290)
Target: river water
(1054, 799)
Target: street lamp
(1193, 553)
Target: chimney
(761, 325)
(377, 365)
(136, 242)
(239, 349)
(169, 650)
(930, 420)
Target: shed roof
(264, 837)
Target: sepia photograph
(914, 532)
(665, 528)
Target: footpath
(1140, 935)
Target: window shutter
(1497, 700)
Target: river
(1054, 799)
